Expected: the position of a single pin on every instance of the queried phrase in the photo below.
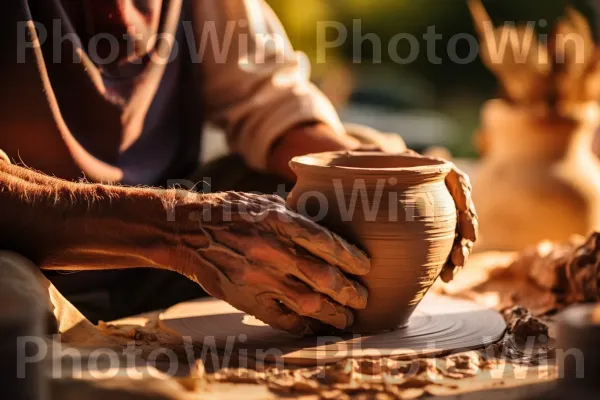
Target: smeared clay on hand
(271, 262)
(459, 185)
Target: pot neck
(513, 133)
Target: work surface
(146, 362)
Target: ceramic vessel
(539, 178)
(397, 208)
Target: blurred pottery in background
(397, 208)
(539, 178)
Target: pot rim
(319, 162)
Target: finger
(262, 305)
(318, 241)
(277, 311)
(302, 300)
(448, 273)
(272, 213)
(273, 254)
(468, 225)
(318, 307)
(460, 253)
(459, 186)
(259, 286)
(332, 282)
(271, 313)
(281, 256)
(296, 295)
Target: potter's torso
(123, 122)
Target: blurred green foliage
(458, 89)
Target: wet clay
(413, 216)
(526, 341)
(523, 325)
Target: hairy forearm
(75, 226)
(305, 139)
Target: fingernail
(359, 297)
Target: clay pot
(539, 178)
(397, 208)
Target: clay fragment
(523, 325)
(517, 344)
(340, 372)
(583, 271)
(569, 270)
(464, 365)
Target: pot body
(404, 219)
(539, 178)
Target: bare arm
(257, 88)
(305, 139)
(74, 226)
(250, 250)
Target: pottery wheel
(440, 325)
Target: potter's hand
(459, 186)
(273, 263)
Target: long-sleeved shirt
(64, 111)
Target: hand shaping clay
(412, 215)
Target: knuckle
(328, 277)
(310, 303)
